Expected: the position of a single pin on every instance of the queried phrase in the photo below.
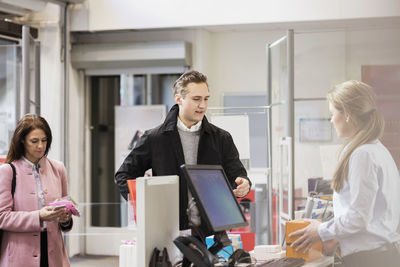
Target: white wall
(371, 47)
(322, 59)
(320, 62)
(76, 154)
(238, 62)
(152, 14)
(51, 73)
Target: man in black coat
(186, 136)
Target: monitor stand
(221, 240)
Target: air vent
(23, 7)
(131, 55)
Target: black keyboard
(287, 262)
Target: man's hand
(306, 236)
(243, 187)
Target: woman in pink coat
(32, 229)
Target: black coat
(161, 150)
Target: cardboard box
(313, 254)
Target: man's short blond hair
(191, 76)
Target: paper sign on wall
(238, 127)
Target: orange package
(315, 251)
(132, 194)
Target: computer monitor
(214, 197)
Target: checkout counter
(157, 213)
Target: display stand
(157, 216)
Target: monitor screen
(214, 197)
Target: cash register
(219, 212)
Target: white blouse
(36, 173)
(367, 209)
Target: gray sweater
(190, 145)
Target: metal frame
(25, 71)
(269, 131)
(290, 118)
(37, 78)
(25, 100)
(285, 144)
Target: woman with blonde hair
(31, 228)
(366, 185)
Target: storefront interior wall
(234, 60)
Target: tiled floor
(94, 261)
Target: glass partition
(280, 90)
(10, 62)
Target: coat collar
(27, 166)
(31, 163)
(172, 118)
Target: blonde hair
(357, 100)
(191, 76)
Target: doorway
(104, 198)
(106, 212)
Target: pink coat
(21, 225)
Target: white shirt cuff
(326, 230)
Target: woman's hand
(65, 217)
(49, 214)
(329, 246)
(306, 236)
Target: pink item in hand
(69, 206)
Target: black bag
(14, 180)
(159, 259)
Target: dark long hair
(25, 125)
